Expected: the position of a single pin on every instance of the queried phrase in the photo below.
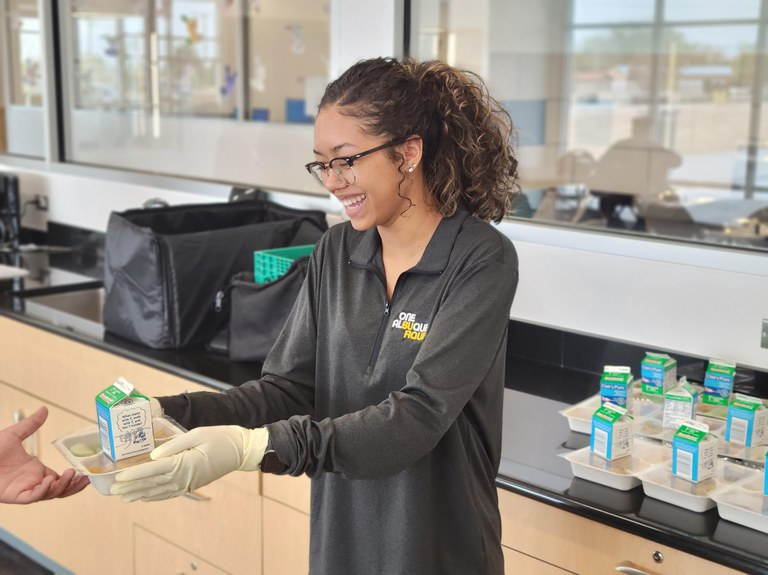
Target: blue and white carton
(616, 386)
(658, 373)
(694, 452)
(125, 421)
(765, 475)
(747, 422)
(718, 382)
(611, 436)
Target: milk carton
(616, 386)
(658, 372)
(747, 422)
(125, 421)
(694, 451)
(680, 404)
(718, 382)
(611, 432)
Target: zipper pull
(386, 308)
(219, 300)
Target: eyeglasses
(342, 167)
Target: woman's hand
(192, 460)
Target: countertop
(534, 437)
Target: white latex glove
(192, 460)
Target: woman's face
(369, 194)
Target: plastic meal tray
(83, 451)
(659, 483)
(652, 428)
(580, 415)
(620, 473)
(745, 507)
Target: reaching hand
(23, 478)
(192, 460)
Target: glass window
(627, 118)
(22, 80)
(195, 87)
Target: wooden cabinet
(153, 555)
(221, 525)
(515, 562)
(286, 524)
(579, 545)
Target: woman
(386, 384)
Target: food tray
(745, 507)
(268, 265)
(652, 428)
(579, 415)
(83, 451)
(620, 473)
(659, 483)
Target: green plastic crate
(268, 265)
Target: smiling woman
(386, 383)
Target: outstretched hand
(23, 477)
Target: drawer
(515, 562)
(286, 540)
(291, 491)
(153, 555)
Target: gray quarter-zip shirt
(393, 408)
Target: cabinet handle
(18, 415)
(628, 568)
(197, 496)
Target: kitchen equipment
(10, 212)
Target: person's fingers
(39, 492)
(178, 444)
(150, 469)
(159, 493)
(140, 485)
(70, 483)
(29, 425)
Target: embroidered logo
(412, 329)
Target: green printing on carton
(718, 382)
(658, 372)
(125, 421)
(680, 404)
(611, 436)
(616, 386)
(694, 452)
(747, 422)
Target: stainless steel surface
(78, 311)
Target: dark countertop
(534, 436)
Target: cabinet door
(286, 540)
(583, 546)
(515, 562)
(79, 532)
(153, 555)
(291, 491)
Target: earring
(410, 170)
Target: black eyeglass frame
(350, 160)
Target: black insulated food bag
(164, 266)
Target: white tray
(659, 483)
(88, 458)
(745, 507)
(580, 414)
(620, 473)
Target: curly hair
(467, 151)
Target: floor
(12, 562)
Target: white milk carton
(612, 435)
(616, 386)
(658, 372)
(680, 404)
(747, 422)
(694, 451)
(718, 382)
(125, 421)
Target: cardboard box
(612, 435)
(616, 386)
(694, 452)
(125, 421)
(680, 404)
(658, 373)
(747, 421)
(718, 382)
